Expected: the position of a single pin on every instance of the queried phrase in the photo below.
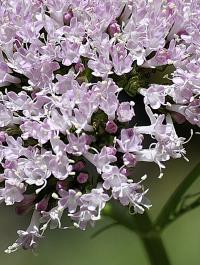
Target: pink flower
(125, 111)
(154, 96)
(130, 141)
(122, 61)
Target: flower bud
(82, 178)
(43, 204)
(18, 41)
(67, 17)
(61, 185)
(124, 171)
(111, 127)
(2, 137)
(79, 166)
(79, 67)
(113, 29)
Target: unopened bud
(61, 185)
(67, 17)
(79, 166)
(42, 205)
(79, 67)
(111, 127)
(114, 28)
(82, 178)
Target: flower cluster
(69, 139)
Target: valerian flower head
(78, 83)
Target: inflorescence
(68, 139)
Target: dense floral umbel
(68, 140)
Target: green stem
(187, 209)
(151, 240)
(142, 225)
(155, 250)
(167, 214)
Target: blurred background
(118, 245)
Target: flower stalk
(155, 249)
(145, 229)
